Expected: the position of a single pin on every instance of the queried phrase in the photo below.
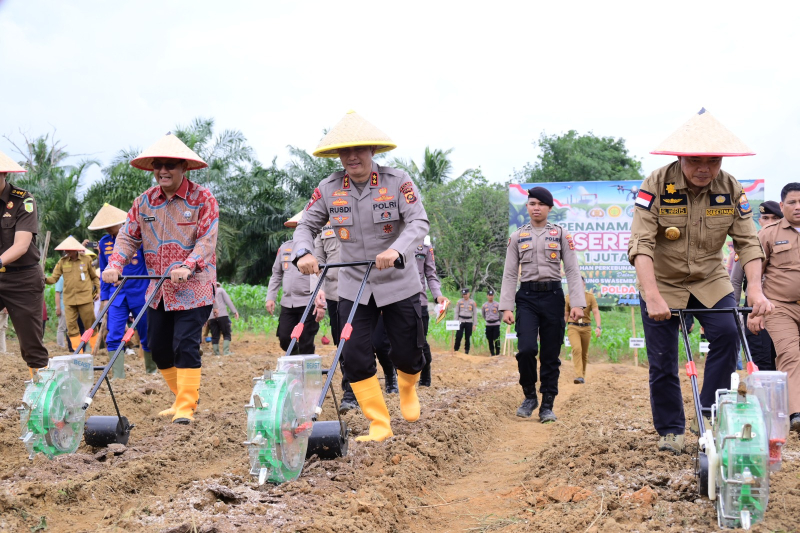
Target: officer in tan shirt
(781, 244)
(466, 312)
(684, 212)
(580, 333)
(491, 314)
(534, 256)
(377, 214)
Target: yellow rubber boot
(409, 401)
(171, 377)
(188, 395)
(370, 397)
(76, 341)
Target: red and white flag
(644, 199)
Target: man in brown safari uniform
(684, 212)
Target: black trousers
(333, 316)
(465, 330)
(666, 399)
(289, 318)
(493, 337)
(174, 336)
(404, 330)
(220, 325)
(762, 349)
(426, 348)
(539, 314)
(382, 346)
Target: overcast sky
(485, 80)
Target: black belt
(465, 317)
(578, 323)
(17, 269)
(540, 286)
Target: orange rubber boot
(92, 341)
(171, 377)
(409, 401)
(188, 395)
(370, 398)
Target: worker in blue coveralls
(132, 297)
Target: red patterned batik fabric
(181, 230)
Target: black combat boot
(528, 405)
(390, 381)
(425, 376)
(546, 410)
(349, 401)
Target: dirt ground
(468, 464)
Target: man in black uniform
(21, 277)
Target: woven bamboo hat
(169, 146)
(107, 217)
(703, 135)
(294, 221)
(9, 165)
(351, 131)
(70, 244)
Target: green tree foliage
(574, 157)
(55, 186)
(469, 219)
(435, 170)
(121, 184)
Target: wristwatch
(300, 253)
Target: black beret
(490, 292)
(464, 291)
(771, 207)
(541, 194)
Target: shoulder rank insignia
(17, 192)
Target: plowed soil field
(468, 464)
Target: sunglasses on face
(157, 165)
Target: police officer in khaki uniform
(491, 314)
(376, 213)
(762, 349)
(466, 312)
(297, 290)
(426, 266)
(21, 277)
(534, 256)
(81, 288)
(781, 243)
(580, 333)
(684, 212)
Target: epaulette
(19, 193)
(335, 176)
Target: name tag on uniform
(781, 242)
(719, 212)
(673, 211)
(149, 219)
(83, 276)
(526, 239)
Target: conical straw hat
(108, 216)
(294, 221)
(9, 165)
(169, 146)
(353, 130)
(703, 135)
(70, 243)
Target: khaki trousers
(86, 312)
(579, 338)
(783, 325)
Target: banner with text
(598, 216)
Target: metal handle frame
(128, 334)
(691, 369)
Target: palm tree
(435, 170)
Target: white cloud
(485, 79)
